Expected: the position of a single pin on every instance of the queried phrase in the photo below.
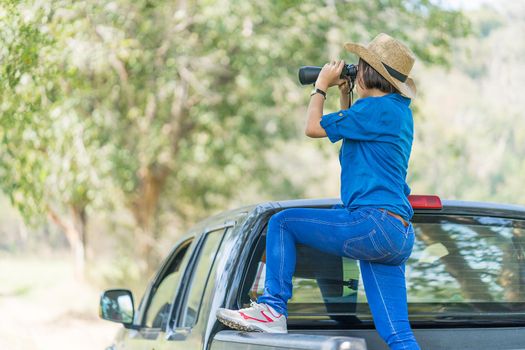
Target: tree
(175, 102)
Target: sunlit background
(124, 122)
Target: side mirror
(117, 305)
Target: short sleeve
(366, 120)
(329, 123)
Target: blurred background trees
(124, 122)
(166, 107)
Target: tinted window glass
(462, 268)
(200, 276)
(163, 292)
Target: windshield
(462, 269)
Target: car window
(163, 291)
(200, 276)
(463, 268)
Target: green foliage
(148, 102)
(20, 44)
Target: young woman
(373, 224)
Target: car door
(190, 315)
(153, 313)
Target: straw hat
(390, 58)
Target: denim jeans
(380, 242)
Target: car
(465, 284)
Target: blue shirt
(377, 135)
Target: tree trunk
(511, 274)
(153, 177)
(144, 209)
(75, 233)
(472, 286)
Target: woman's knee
(276, 218)
(276, 221)
(280, 220)
(281, 216)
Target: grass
(43, 306)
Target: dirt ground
(43, 306)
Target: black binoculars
(309, 74)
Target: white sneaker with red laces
(256, 318)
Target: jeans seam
(376, 246)
(350, 240)
(385, 234)
(403, 246)
(408, 228)
(384, 304)
(388, 238)
(384, 254)
(281, 268)
(410, 252)
(393, 224)
(329, 223)
(366, 258)
(353, 239)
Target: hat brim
(407, 88)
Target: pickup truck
(465, 284)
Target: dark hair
(372, 79)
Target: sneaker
(256, 318)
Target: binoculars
(309, 74)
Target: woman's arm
(329, 76)
(314, 113)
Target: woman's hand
(344, 86)
(329, 75)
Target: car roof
(449, 207)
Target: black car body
(465, 282)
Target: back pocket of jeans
(395, 222)
(365, 248)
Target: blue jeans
(380, 242)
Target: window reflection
(460, 265)
(478, 259)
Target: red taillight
(425, 202)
